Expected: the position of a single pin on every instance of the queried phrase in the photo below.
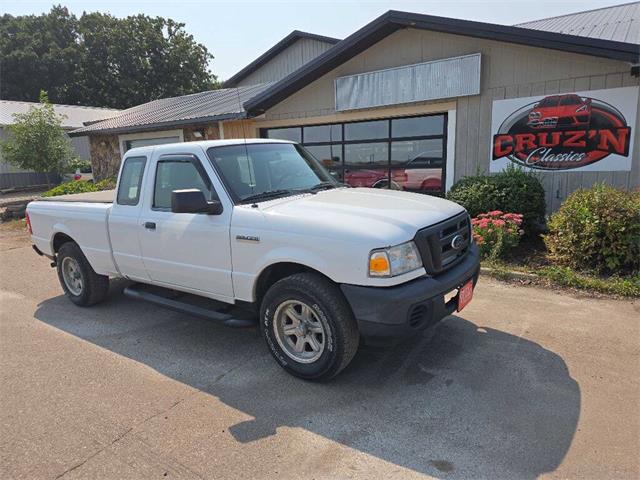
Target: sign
(585, 131)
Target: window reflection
(401, 153)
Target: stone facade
(105, 155)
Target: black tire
(330, 308)
(94, 287)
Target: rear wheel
(80, 282)
(309, 326)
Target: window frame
(181, 158)
(390, 139)
(124, 164)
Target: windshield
(549, 102)
(259, 170)
(570, 100)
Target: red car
(561, 111)
(375, 178)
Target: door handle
(150, 225)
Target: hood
(386, 216)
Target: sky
(237, 32)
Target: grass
(530, 257)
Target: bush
(597, 229)
(496, 232)
(513, 190)
(70, 187)
(81, 187)
(108, 183)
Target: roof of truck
(179, 147)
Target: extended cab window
(179, 174)
(130, 181)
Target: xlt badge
(247, 238)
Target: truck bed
(82, 217)
(104, 196)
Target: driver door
(185, 250)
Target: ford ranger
(217, 228)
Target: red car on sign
(561, 111)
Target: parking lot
(524, 383)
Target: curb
(508, 274)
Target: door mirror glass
(192, 200)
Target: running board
(140, 292)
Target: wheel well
(275, 272)
(59, 239)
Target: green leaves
(37, 140)
(81, 187)
(100, 60)
(513, 190)
(597, 229)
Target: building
(416, 102)
(74, 117)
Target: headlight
(393, 261)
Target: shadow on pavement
(465, 402)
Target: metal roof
(74, 115)
(620, 23)
(208, 106)
(274, 51)
(392, 21)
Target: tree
(37, 140)
(99, 59)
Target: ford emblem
(457, 242)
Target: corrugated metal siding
(81, 147)
(440, 79)
(620, 23)
(508, 71)
(289, 60)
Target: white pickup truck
(260, 225)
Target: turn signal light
(379, 264)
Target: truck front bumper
(391, 313)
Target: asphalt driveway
(523, 383)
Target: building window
(399, 153)
(144, 142)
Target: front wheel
(308, 326)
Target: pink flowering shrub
(496, 232)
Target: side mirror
(192, 200)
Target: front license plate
(465, 295)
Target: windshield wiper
(320, 186)
(266, 195)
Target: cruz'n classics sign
(591, 130)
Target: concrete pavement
(524, 383)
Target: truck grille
(436, 246)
